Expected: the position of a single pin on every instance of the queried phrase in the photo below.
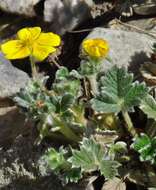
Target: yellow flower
(96, 48)
(31, 42)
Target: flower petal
(29, 33)
(14, 49)
(49, 39)
(41, 52)
(97, 47)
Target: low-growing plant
(91, 157)
(92, 111)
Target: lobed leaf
(146, 147)
(148, 106)
(92, 157)
(118, 92)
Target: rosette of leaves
(34, 100)
(89, 67)
(58, 163)
(71, 166)
(118, 93)
(146, 147)
(57, 110)
(67, 82)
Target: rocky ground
(130, 45)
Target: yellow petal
(96, 47)
(29, 33)
(49, 39)
(14, 49)
(41, 52)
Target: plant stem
(33, 67)
(65, 130)
(129, 124)
(55, 63)
(78, 113)
(93, 84)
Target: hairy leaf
(88, 157)
(146, 147)
(72, 176)
(108, 168)
(57, 162)
(92, 157)
(55, 159)
(66, 102)
(117, 92)
(67, 82)
(62, 73)
(148, 106)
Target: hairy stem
(129, 124)
(65, 130)
(33, 67)
(78, 113)
(93, 84)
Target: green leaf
(88, 157)
(62, 73)
(118, 150)
(146, 147)
(148, 106)
(66, 102)
(141, 142)
(72, 176)
(89, 67)
(108, 168)
(92, 157)
(55, 159)
(118, 92)
(57, 162)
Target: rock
(19, 167)
(11, 121)
(127, 49)
(24, 7)
(140, 25)
(66, 15)
(140, 7)
(145, 7)
(12, 79)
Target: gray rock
(140, 7)
(145, 7)
(12, 79)
(25, 7)
(66, 15)
(127, 49)
(11, 121)
(139, 25)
